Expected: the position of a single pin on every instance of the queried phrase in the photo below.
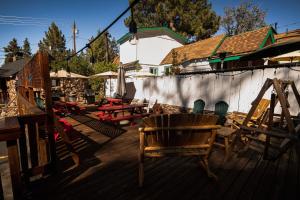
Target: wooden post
(141, 157)
(283, 103)
(43, 59)
(10, 132)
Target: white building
(149, 47)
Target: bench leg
(205, 166)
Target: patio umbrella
(292, 56)
(106, 75)
(121, 84)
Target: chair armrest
(270, 132)
(178, 128)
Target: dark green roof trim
(218, 46)
(226, 59)
(179, 37)
(269, 34)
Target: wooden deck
(110, 171)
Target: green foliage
(246, 17)
(98, 48)
(79, 65)
(26, 48)
(54, 42)
(12, 50)
(191, 18)
(98, 83)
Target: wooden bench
(177, 135)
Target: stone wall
(10, 108)
(71, 87)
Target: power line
(286, 25)
(28, 21)
(108, 27)
(29, 18)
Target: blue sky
(93, 15)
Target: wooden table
(225, 133)
(10, 132)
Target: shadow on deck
(110, 171)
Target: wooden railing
(32, 129)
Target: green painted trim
(125, 37)
(269, 34)
(232, 58)
(215, 60)
(218, 46)
(226, 59)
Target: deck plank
(110, 171)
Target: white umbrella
(65, 74)
(121, 84)
(291, 56)
(106, 75)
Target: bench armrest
(178, 128)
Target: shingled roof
(245, 42)
(201, 49)
(284, 37)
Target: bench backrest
(179, 129)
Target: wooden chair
(198, 106)
(257, 119)
(177, 135)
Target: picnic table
(114, 101)
(110, 113)
(67, 107)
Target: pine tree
(12, 51)
(98, 48)
(26, 48)
(54, 42)
(192, 18)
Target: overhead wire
(106, 29)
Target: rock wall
(10, 108)
(71, 87)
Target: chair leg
(205, 166)
(226, 144)
(141, 171)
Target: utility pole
(106, 44)
(75, 31)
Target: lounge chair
(221, 108)
(177, 135)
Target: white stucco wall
(128, 52)
(150, 50)
(238, 91)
